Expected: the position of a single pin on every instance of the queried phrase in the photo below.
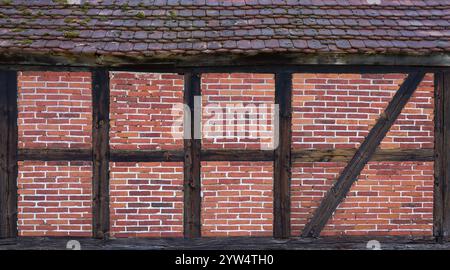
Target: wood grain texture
(343, 155)
(55, 154)
(275, 61)
(192, 163)
(354, 167)
(282, 162)
(299, 155)
(100, 153)
(8, 154)
(224, 243)
(237, 155)
(441, 205)
(146, 155)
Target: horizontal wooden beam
(303, 155)
(55, 154)
(224, 243)
(237, 155)
(162, 68)
(344, 155)
(335, 69)
(278, 61)
(146, 155)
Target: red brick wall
(390, 198)
(246, 102)
(330, 111)
(55, 110)
(55, 198)
(338, 110)
(237, 198)
(146, 199)
(141, 106)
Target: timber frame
(192, 154)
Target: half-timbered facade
(194, 39)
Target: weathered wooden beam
(146, 155)
(192, 152)
(100, 153)
(351, 172)
(232, 61)
(343, 155)
(282, 162)
(228, 244)
(47, 67)
(8, 154)
(441, 206)
(237, 155)
(299, 155)
(55, 154)
(277, 68)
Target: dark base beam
(225, 243)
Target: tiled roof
(180, 27)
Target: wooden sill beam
(225, 243)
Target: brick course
(338, 110)
(55, 198)
(237, 198)
(146, 199)
(246, 102)
(55, 109)
(390, 198)
(141, 107)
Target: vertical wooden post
(441, 206)
(8, 154)
(192, 150)
(282, 163)
(100, 153)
